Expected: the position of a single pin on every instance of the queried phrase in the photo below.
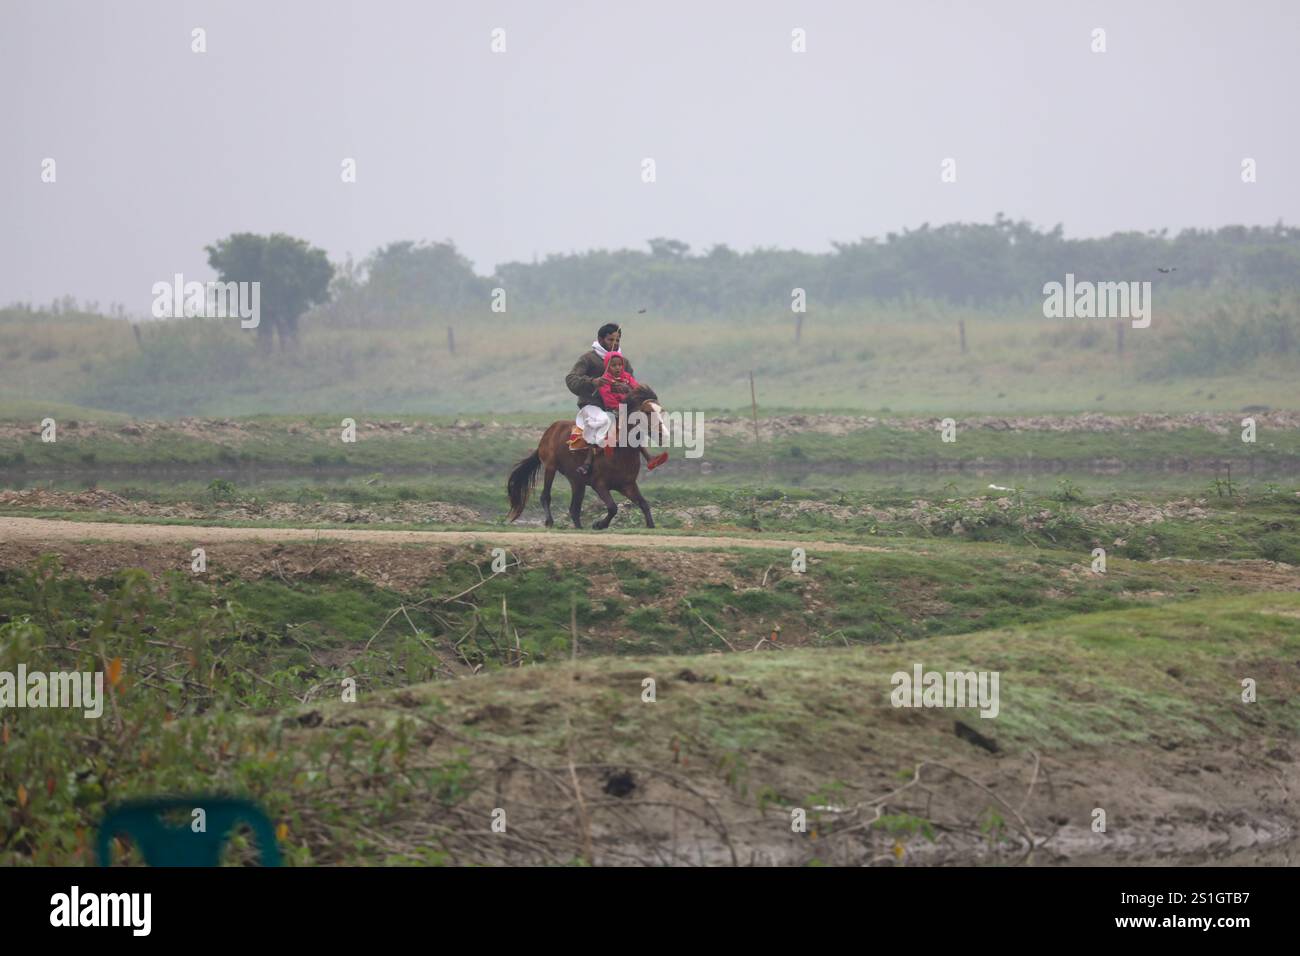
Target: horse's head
(643, 399)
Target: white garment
(595, 423)
(600, 349)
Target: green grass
(1195, 356)
(231, 681)
(1254, 519)
(269, 444)
(760, 725)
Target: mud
(1182, 805)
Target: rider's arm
(578, 382)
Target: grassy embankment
(228, 695)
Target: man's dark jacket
(584, 379)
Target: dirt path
(47, 529)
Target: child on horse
(615, 371)
(616, 375)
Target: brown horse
(617, 472)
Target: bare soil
(1164, 801)
(37, 529)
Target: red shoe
(656, 461)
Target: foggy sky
(161, 151)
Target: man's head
(609, 335)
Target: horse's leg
(575, 503)
(633, 494)
(546, 494)
(611, 508)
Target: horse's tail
(522, 478)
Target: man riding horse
(603, 368)
(584, 380)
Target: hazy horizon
(538, 150)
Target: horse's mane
(642, 394)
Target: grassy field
(234, 680)
(477, 446)
(1263, 524)
(1203, 351)
(477, 689)
(1190, 486)
(521, 690)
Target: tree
(662, 248)
(294, 276)
(407, 280)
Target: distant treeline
(962, 263)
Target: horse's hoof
(550, 523)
